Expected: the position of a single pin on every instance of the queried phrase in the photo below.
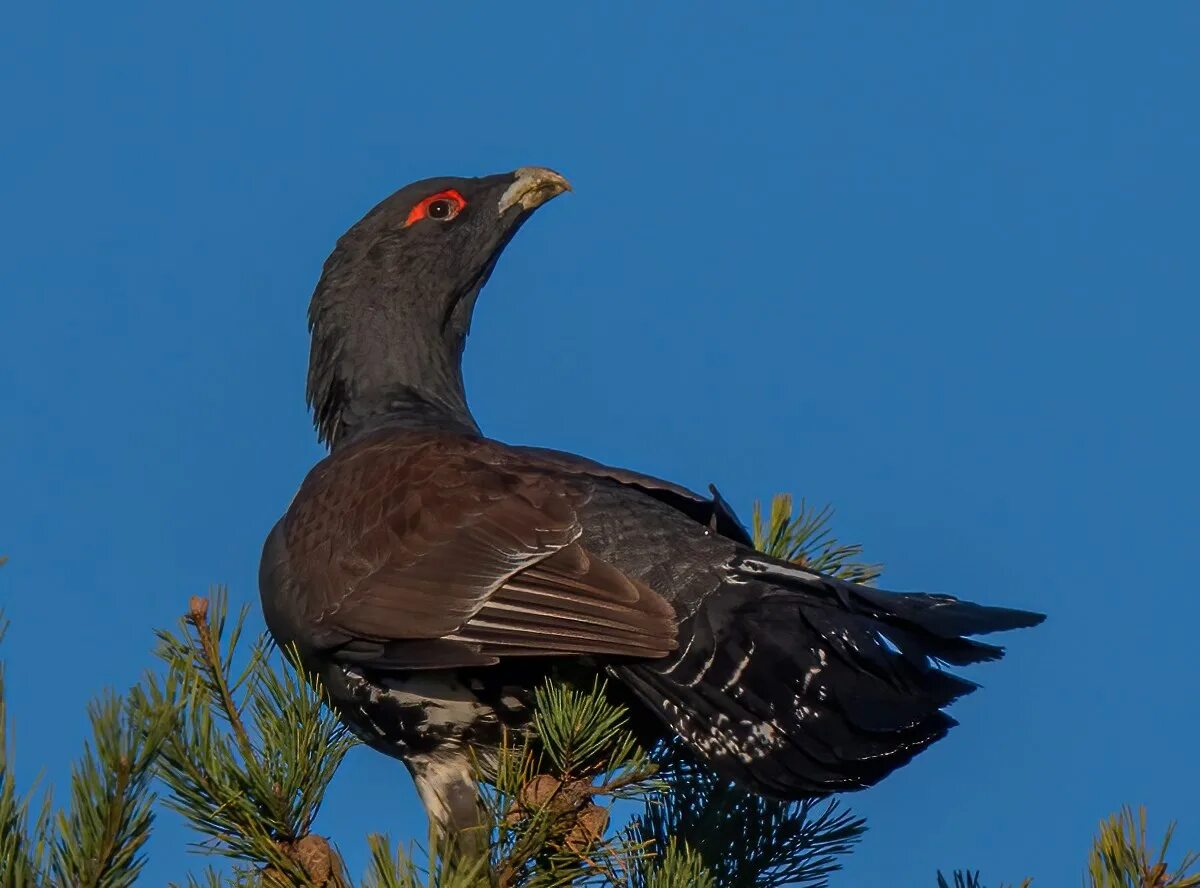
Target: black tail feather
(946, 616)
(796, 684)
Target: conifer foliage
(96, 841)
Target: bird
(431, 577)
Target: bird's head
(392, 309)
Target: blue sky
(935, 264)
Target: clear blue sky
(936, 264)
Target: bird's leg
(446, 784)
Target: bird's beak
(532, 188)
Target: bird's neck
(406, 408)
(387, 378)
(379, 360)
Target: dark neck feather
(402, 408)
(387, 339)
(361, 383)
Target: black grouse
(432, 577)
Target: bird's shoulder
(436, 474)
(388, 466)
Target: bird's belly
(419, 713)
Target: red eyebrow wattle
(421, 210)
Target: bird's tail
(795, 684)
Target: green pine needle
(210, 879)
(1121, 856)
(99, 839)
(804, 537)
(779, 843)
(23, 843)
(551, 802)
(387, 870)
(965, 879)
(400, 870)
(962, 879)
(255, 748)
(677, 867)
(582, 733)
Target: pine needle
(779, 843)
(254, 750)
(23, 844)
(804, 538)
(1121, 856)
(100, 837)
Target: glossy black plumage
(433, 577)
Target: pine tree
(241, 744)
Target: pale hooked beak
(533, 187)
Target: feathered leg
(446, 784)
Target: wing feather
(404, 538)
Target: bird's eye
(441, 207)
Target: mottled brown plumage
(417, 536)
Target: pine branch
(962, 879)
(214, 666)
(254, 751)
(804, 537)
(1121, 856)
(400, 870)
(678, 867)
(97, 841)
(779, 843)
(22, 843)
(552, 805)
(210, 879)
(965, 879)
(386, 870)
(100, 837)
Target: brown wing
(402, 541)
